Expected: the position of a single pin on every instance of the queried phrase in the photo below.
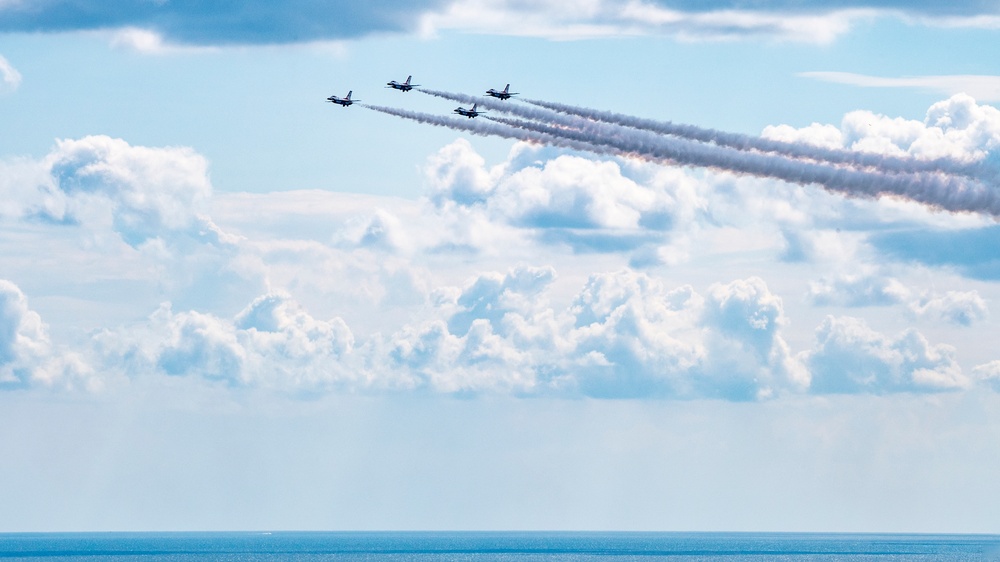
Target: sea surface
(492, 547)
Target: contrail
(748, 142)
(932, 188)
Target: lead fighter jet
(470, 113)
(345, 101)
(504, 94)
(405, 86)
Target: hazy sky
(227, 304)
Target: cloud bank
(553, 273)
(197, 23)
(150, 25)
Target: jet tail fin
(506, 88)
(408, 79)
(349, 95)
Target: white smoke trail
(536, 113)
(797, 150)
(932, 188)
(935, 189)
(572, 116)
(478, 127)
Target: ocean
(492, 547)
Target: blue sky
(227, 304)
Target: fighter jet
(505, 94)
(470, 113)
(346, 101)
(405, 86)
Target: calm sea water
(484, 547)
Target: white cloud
(273, 344)
(496, 333)
(565, 20)
(27, 355)
(623, 336)
(138, 211)
(957, 128)
(871, 289)
(978, 21)
(988, 375)
(858, 290)
(141, 193)
(963, 308)
(106, 185)
(457, 173)
(634, 338)
(587, 204)
(149, 42)
(748, 316)
(159, 26)
(818, 134)
(981, 87)
(10, 78)
(850, 357)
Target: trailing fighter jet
(505, 94)
(346, 101)
(405, 86)
(470, 113)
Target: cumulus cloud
(132, 205)
(10, 78)
(751, 355)
(273, 343)
(956, 128)
(633, 337)
(491, 335)
(586, 204)
(855, 290)
(988, 375)
(142, 194)
(850, 357)
(381, 230)
(963, 308)
(27, 355)
(624, 335)
(148, 192)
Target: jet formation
(406, 86)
